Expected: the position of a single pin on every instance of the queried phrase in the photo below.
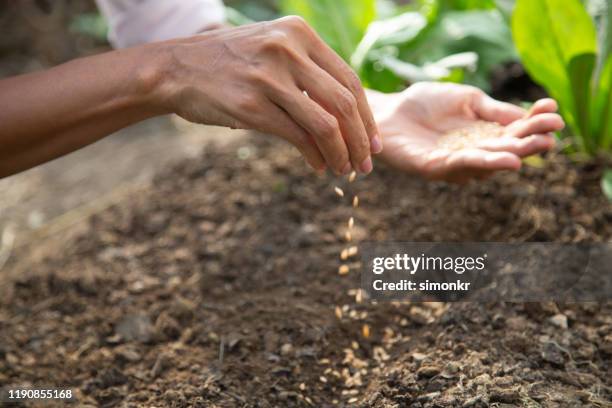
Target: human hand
(412, 124)
(277, 77)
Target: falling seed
(323, 379)
(339, 191)
(358, 296)
(343, 270)
(352, 176)
(354, 345)
(355, 202)
(365, 330)
(348, 237)
(338, 312)
(302, 386)
(352, 251)
(351, 222)
(344, 254)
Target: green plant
(341, 23)
(390, 46)
(567, 51)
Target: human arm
(413, 122)
(252, 77)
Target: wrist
(154, 77)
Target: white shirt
(133, 22)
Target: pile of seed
(469, 136)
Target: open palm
(412, 123)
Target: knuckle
(353, 82)
(295, 22)
(262, 79)
(276, 40)
(345, 103)
(327, 127)
(249, 103)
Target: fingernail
(366, 166)
(347, 168)
(376, 144)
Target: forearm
(47, 114)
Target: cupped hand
(413, 122)
(277, 77)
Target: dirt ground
(218, 287)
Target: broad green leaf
(446, 69)
(341, 23)
(548, 35)
(606, 184)
(602, 111)
(484, 32)
(505, 7)
(580, 70)
(394, 31)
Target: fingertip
(376, 145)
(367, 166)
(549, 104)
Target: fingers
(493, 110)
(546, 105)
(318, 123)
(538, 124)
(524, 147)
(478, 159)
(330, 62)
(340, 102)
(284, 126)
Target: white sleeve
(133, 22)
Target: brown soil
(219, 287)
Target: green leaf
(399, 30)
(341, 23)
(549, 34)
(484, 32)
(606, 184)
(602, 112)
(580, 71)
(447, 69)
(505, 7)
